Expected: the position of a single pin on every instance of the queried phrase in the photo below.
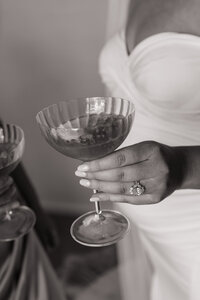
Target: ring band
(137, 189)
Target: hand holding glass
(88, 129)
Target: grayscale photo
(99, 150)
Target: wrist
(187, 165)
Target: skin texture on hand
(161, 169)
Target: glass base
(97, 230)
(16, 223)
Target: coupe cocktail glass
(15, 219)
(88, 129)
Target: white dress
(160, 257)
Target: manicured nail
(94, 199)
(84, 182)
(80, 174)
(83, 167)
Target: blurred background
(49, 52)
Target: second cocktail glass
(88, 129)
(16, 219)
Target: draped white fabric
(161, 76)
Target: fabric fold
(161, 76)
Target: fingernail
(94, 199)
(84, 182)
(80, 174)
(83, 167)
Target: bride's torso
(155, 62)
(158, 68)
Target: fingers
(146, 162)
(128, 173)
(151, 185)
(124, 157)
(120, 191)
(107, 187)
(137, 200)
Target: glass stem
(97, 204)
(8, 215)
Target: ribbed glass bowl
(16, 219)
(86, 128)
(11, 147)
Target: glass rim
(89, 98)
(17, 127)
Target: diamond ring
(137, 189)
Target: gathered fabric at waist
(179, 133)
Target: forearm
(188, 164)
